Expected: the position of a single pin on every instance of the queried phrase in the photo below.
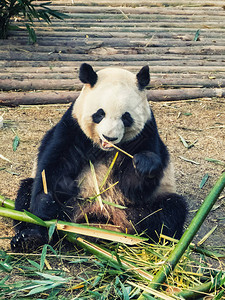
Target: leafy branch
(29, 12)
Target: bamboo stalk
(7, 203)
(196, 248)
(73, 227)
(199, 290)
(189, 234)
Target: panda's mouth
(106, 145)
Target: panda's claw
(28, 240)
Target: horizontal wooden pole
(50, 97)
(54, 81)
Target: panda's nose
(109, 139)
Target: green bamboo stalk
(73, 238)
(197, 291)
(5, 202)
(22, 216)
(189, 234)
(196, 248)
(67, 226)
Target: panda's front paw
(147, 164)
(28, 240)
(45, 207)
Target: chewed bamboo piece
(121, 150)
(44, 182)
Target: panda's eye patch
(127, 119)
(98, 116)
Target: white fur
(167, 183)
(116, 92)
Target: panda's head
(112, 106)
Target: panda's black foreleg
(54, 204)
(147, 164)
(167, 215)
(28, 236)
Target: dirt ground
(201, 122)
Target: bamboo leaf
(183, 141)
(109, 171)
(37, 219)
(124, 291)
(34, 264)
(12, 172)
(5, 267)
(53, 277)
(51, 231)
(43, 256)
(204, 180)
(187, 114)
(196, 38)
(16, 142)
(186, 145)
(31, 32)
(206, 236)
(113, 204)
(40, 289)
(216, 161)
(219, 295)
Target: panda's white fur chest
(92, 208)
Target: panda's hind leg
(167, 215)
(27, 236)
(23, 201)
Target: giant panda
(111, 110)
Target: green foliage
(16, 142)
(28, 11)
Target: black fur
(88, 75)
(98, 116)
(65, 151)
(143, 77)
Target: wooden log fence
(183, 43)
(53, 97)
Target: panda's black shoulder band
(143, 77)
(87, 74)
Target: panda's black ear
(143, 77)
(87, 74)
